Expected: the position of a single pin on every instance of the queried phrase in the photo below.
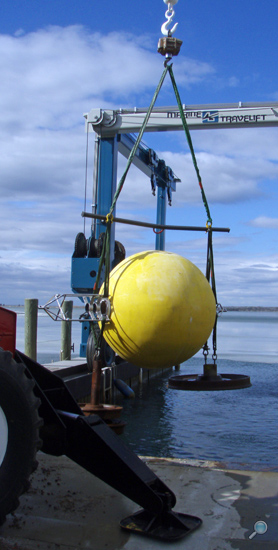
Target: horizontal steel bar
(156, 225)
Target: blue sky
(59, 59)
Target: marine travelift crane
(113, 130)
(37, 411)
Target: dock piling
(30, 327)
(65, 353)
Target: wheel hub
(3, 435)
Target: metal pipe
(96, 382)
(155, 225)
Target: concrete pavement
(67, 508)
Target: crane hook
(169, 14)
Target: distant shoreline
(226, 308)
(250, 308)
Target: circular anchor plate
(195, 382)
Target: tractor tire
(19, 432)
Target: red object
(7, 329)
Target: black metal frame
(89, 442)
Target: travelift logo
(210, 116)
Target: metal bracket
(153, 183)
(97, 307)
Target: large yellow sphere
(162, 309)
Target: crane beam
(199, 117)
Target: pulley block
(169, 45)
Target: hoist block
(162, 309)
(169, 45)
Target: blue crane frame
(85, 269)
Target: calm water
(235, 427)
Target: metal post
(161, 205)
(65, 353)
(96, 382)
(31, 323)
(95, 182)
(161, 217)
(106, 184)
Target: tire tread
(17, 377)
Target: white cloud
(48, 75)
(245, 281)
(237, 143)
(233, 81)
(265, 222)
(226, 180)
(48, 79)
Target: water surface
(237, 427)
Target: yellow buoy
(162, 309)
